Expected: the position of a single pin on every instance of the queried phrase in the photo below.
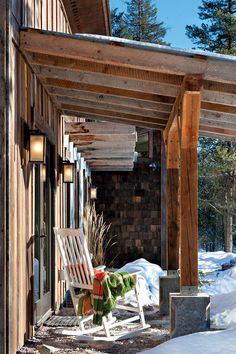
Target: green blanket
(106, 289)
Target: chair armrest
(101, 267)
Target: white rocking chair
(79, 273)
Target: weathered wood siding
(29, 102)
(43, 14)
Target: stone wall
(131, 202)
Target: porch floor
(153, 336)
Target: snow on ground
(220, 284)
(210, 261)
(218, 342)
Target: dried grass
(97, 233)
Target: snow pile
(211, 261)
(221, 286)
(218, 342)
(223, 310)
(148, 280)
(219, 281)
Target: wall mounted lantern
(68, 172)
(93, 192)
(67, 169)
(35, 142)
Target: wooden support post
(173, 217)
(4, 122)
(163, 206)
(189, 191)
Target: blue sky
(176, 15)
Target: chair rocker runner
(79, 273)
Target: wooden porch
(182, 93)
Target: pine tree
(119, 26)
(217, 32)
(139, 23)
(217, 192)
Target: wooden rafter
(113, 119)
(133, 83)
(123, 54)
(41, 59)
(109, 99)
(114, 108)
(218, 107)
(107, 81)
(122, 92)
(104, 145)
(104, 113)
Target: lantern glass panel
(93, 193)
(68, 172)
(37, 148)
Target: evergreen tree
(217, 159)
(141, 19)
(217, 193)
(139, 23)
(119, 26)
(217, 33)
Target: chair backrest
(75, 256)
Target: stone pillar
(189, 314)
(168, 284)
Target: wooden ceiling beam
(191, 83)
(219, 97)
(102, 79)
(102, 118)
(112, 169)
(104, 113)
(217, 136)
(217, 107)
(93, 98)
(215, 130)
(104, 68)
(94, 139)
(113, 108)
(107, 163)
(101, 138)
(127, 54)
(216, 86)
(99, 128)
(218, 124)
(144, 96)
(218, 117)
(107, 154)
(100, 145)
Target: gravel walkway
(153, 336)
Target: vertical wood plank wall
(27, 92)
